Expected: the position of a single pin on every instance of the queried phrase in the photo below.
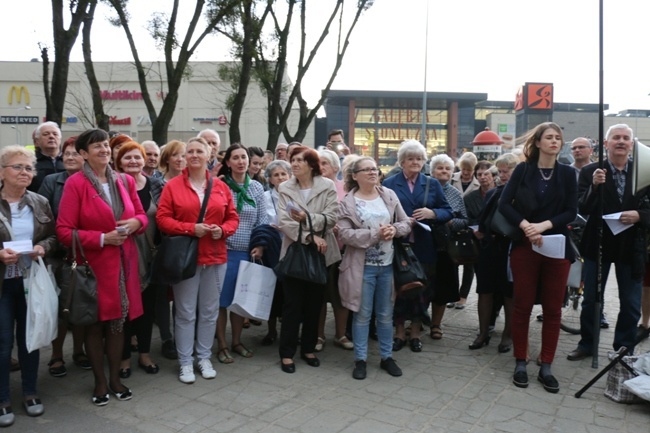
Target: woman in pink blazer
(104, 208)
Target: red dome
(486, 137)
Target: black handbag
(78, 286)
(503, 227)
(408, 272)
(304, 262)
(177, 256)
(462, 247)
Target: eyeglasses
(578, 148)
(71, 154)
(367, 170)
(20, 167)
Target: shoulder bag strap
(5, 221)
(204, 205)
(426, 191)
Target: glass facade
(379, 132)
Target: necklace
(550, 175)
(198, 186)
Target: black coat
(559, 204)
(628, 246)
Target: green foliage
(159, 30)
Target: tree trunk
(101, 118)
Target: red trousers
(532, 272)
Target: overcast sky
(482, 46)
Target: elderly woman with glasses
(370, 216)
(424, 202)
(26, 216)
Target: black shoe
(391, 367)
(100, 400)
(578, 354)
(125, 373)
(520, 379)
(416, 345)
(604, 324)
(59, 371)
(359, 371)
(169, 350)
(312, 362)
(150, 369)
(288, 368)
(269, 339)
(478, 344)
(550, 383)
(504, 348)
(398, 344)
(642, 333)
(123, 395)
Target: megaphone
(641, 166)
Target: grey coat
(44, 224)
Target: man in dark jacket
(47, 140)
(626, 250)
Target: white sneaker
(207, 371)
(187, 374)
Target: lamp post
(423, 138)
(18, 135)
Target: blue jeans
(13, 313)
(376, 291)
(629, 296)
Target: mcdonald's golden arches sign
(18, 93)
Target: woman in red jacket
(96, 202)
(197, 298)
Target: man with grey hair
(581, 150)
(152, 152)
(212, 137)
(281, 151)
(626, 250)
(47, 141)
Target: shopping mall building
(201, 102)
(374, 122)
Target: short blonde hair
(13, 150)
(167, 151)
(467, 160)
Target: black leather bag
(408, 273)
(304, 262)
(502, 226)
(462, 247)
(177, 256)
(78, 286)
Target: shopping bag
(253, 291)
(42, 307)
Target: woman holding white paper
(26, 217)
(541, 199)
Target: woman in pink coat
(104, 208)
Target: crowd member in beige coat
(370, 216)
(306, 196)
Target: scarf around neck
(242, 192)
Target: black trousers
(302, 304)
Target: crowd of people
(118, 198)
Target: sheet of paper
(21, 247)
(292, 207)
(424, 226)
(614, 223)
(552, 246)
(473, 228)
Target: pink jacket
(81, 208)
(357, 239)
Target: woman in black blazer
(541, 198)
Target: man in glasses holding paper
(626, 249)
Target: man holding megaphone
(626, 250)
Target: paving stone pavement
(445, 388)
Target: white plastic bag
(42, 307)
(253, 291)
